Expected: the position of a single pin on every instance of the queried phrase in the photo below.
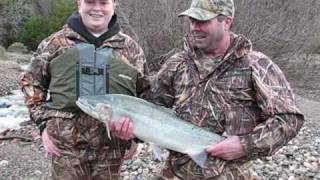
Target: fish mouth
(86, 107)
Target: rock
(4, 104)
(291, 178)
(134, 167)
(301, 171)
(285, 163)
(134, 174)
(126, 173)
(18, 48)
(4, 163)
(292, 168)
(137, 162)
(38, 172)
(126, 177)
(8, 77)
(315, 153)
(299, 158)
(310, 175)
(314, 167)
(3, 54)
(306, 164)
(123, 168)
(145, 171)
(154, 170)
(269, 158)
(259, 161)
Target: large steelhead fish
(153, 124)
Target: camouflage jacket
(242, 93)
(35, 81)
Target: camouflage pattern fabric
(86, 152)
(242, 93)
(204, 10)
(82, 138)
(234, 171)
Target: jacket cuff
(248, 146)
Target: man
(219, 83)
(88, 56)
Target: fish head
(98, 109)
(88, 105)
(91, 106)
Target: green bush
(9, 37)
(37, 28)
(61, 10)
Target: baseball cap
(204, 10)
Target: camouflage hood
(76, 24)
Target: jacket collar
(239, 47)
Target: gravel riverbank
(26, 160)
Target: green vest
(84, 70)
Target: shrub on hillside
(37, 27)
(61, 10)
(35, 30)
(13, 15)
(17, 48)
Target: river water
(12, 111)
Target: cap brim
(198, 14)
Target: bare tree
(279, 27)
(275, 26)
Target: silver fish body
(153, 124)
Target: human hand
(123, 128)
(49, 147)
(228, 149)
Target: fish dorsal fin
(167, 110)
(142, 101)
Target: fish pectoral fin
(105, 115)
(108, 131)
(105, 112)
(157, 151)
(199, 159)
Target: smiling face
(96, 14)
(207, 34)
(210, 34)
